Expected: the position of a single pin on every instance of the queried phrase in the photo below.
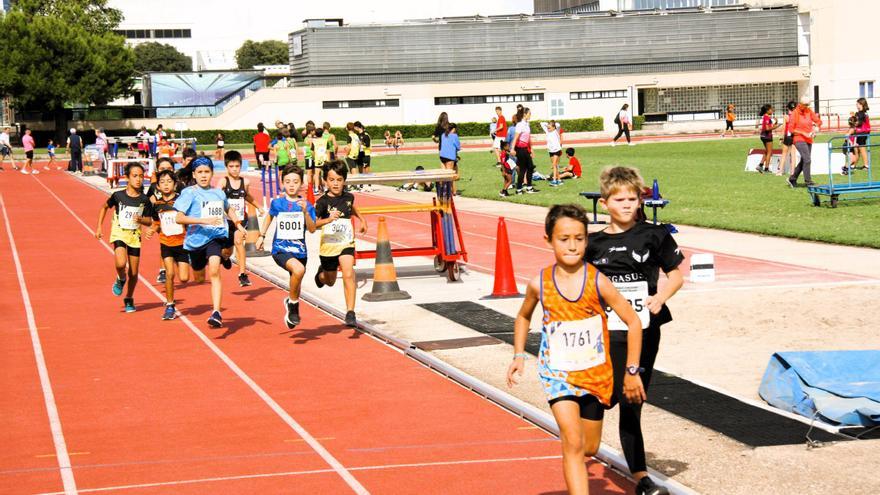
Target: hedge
(243, 136)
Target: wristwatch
(634, 369)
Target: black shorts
(29, 154)
(765, 139)
(352, 163)
(199, 258)
(365, 160)
(729, 126)
(861, 140)
(175, 252)
(262, 158)
(332, 155)
(331, 263)
(5, 151)
(556, 153)
(282, 258)
(788, 140)
(310, 163)
(590, 406)
(132, 251)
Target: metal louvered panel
(477, 50)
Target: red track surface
(151, 406)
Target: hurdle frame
(838, 192)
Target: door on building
(556, 105)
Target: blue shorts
(282, 258)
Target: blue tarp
(837, 387)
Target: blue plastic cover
(836, 387)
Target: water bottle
(655, 191)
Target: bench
(595, 197)
(647, 200)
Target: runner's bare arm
(521, 330)
(100, 227)
(362, 220)
(633, 388)
(675, 281)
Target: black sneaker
(216, 320)
(646, 486)
(160, 279)
(844, 170)
(531, 190)
(761, 170)
(318, 279)
(291, 316)
(350, 320)
(809, 184)
(792, 183)
(226, 262)
(503, 193)
(243, 280)
(520, 191)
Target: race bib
(576, 345)
(338, 231)
(127, 215)
(290, 226)
(168, 221)
(212, 209)
(238, 205)
(637, 295)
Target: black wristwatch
(634, 370)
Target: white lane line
(287, 418)
(315, 471)
(67, 480)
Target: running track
(147, 406)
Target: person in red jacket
(500, 133)
(261, 145)
(803, 127)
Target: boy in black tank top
(236, 189)
(631, 253)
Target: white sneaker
(631, 144)
(613, 143)
(35, 172)
(24, 171)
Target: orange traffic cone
(385, 286)
(505, 281)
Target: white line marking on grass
(292, 423)
(66, 471)
(315, 471)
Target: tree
(271, 52)
(160, 57)
(68, 56)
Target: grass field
(704, 180)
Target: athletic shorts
(262, 158)
(29, 154)
(229, 241)
(555, 153)
(590, 406)
(331, 263)
(352, 163)
(332, 155)
(5, 151)
(365, 160)
(766, 140)
(788, 140)
(861, 140)
(729, 126)
(176, 252)
(199, 258)
(498, 142)
(310, 163)
(132, 251)
(282, 258)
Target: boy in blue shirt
(293, 217)
(203, 210)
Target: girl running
(175, 259)
(293, 216)
(574, 364)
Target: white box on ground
(818, 165)
(702, 267)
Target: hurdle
(836, 192)
(116, 169)
(271, 183)
(447, 242)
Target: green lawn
(704, 180)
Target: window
(155, 33)
(866, 89)
(476, 100)
(557, 107)
(592, 95)
(361, 104)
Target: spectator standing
(522, 142)
(787, 140)
(220, 141)
(805, 123)
(27, 142)
(554, 149)
(101, 145)
(261, 146)
(449, 148)
(75, 148)
(500, 133)
(729, 118)
(441, 128)
(863, 128)
(6, 149)
(143, 142)
(331, 141)
(624, 124)
(767, 124)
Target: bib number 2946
(576, 345)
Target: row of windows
(678, 4)
(134, 34)
(361, 104)
(472, 100)
(866, 89)
(592, 95)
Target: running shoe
(291, 315)
(318, 279)
(844, 170)
(25, 172)
(520, 191)
(35, 172)
(226, 262)
(792, 183)
(646, 486)
(531, 190)
(160, 279)
(170, 312)
(129, 305)
(216, 319)
(630, 144)
(243, 280)
(760, 169)
(613, 143)
(118, 286)
(350, 320)
(504, 193)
